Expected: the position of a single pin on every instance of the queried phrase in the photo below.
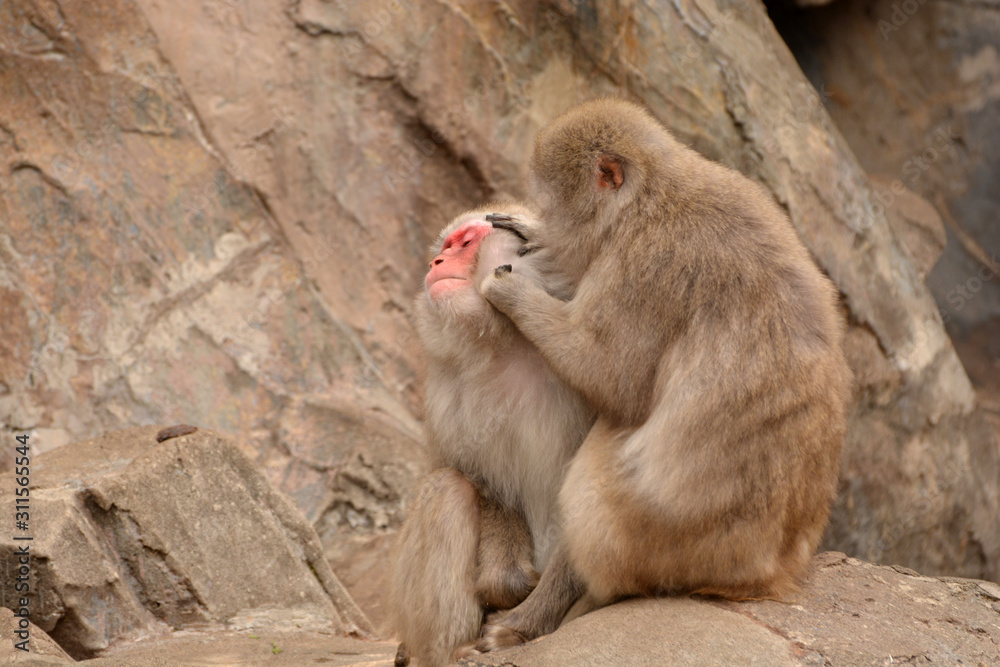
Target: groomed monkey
(711, 347)
(502, 429)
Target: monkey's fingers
(500, 221)
(527, 249)
(502, 270)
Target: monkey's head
(590, 163)
(450, 310)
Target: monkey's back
(724, 386)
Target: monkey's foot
(402, 656)
(496, 637)
(463, 652)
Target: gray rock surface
(133, 538)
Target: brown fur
(710, 344)
(503, 429)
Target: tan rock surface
(41, 649)
(219, 647)
(849, 613)
(252, 649)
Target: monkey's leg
(432, 595)
(505, 575)
(540, 613)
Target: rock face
(915, 89)
(133, 538)
(217, 213)
(850, 613)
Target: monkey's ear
(610, 174)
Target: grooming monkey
(709, 343)
(501, 428)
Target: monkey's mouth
(443, 285)
(445, 279)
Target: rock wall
(218, 212)
(915, 89)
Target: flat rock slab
(135, 537)
(250, 649)
(850, 613)
(210, 647)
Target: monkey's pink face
(454, 267)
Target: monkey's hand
(510, 223)
(518, 229)
(502, 287)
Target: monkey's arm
(551, 325)
(504, 573)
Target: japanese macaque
(709, 343)
(501, 428)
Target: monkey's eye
(467, 242)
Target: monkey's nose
(436, 261)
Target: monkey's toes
(402, 656)
(467, 651)
(503, 269)
(498, 637)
